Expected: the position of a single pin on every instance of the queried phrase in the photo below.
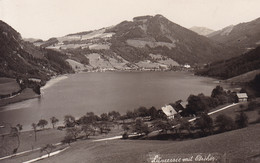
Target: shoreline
(54, 80)
(28, 93)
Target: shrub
(125, 127)
(73, 132)
(68, 139)
(88, 130)
(252, 105)
(241, 120)
(125, 135)
(162, 125)
(224, 123)
(104, 117)
(153, 112)
(200, 103)
(140, 127)
(185, 125)
(205, 123)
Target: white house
(169, 111)
(163, 67)
(187, 66)
(242, 97)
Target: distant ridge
(201, 30)
(243, 36)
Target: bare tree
(15, 133)
(73, 132)
(34, 126)
(88, 130)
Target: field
(26, 94)
(244, 77)
(8, 85)
(239, 146)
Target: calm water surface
(103, 92)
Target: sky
(43, 19)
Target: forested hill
(243, 36)
(20, 59)
(233, 67)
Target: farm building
(242, 97)
(169, 111)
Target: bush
(200, 103)
(68, 139)
(241, 120)
(140, 127)
(125, 135)
(252, 105)
(164, 126)
(224, 123)
(125, 127)
(73, 132)
(205, 123)
(185, 125)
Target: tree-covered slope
(20, 59)
(243, 36)
(233, 67)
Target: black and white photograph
(129, 81)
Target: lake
(77, 94)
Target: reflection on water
(103, 92)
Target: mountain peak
(142, 18)
(147, 17)
(5, 29)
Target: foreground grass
(238, 145)
(27, 142)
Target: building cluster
(171, 111)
